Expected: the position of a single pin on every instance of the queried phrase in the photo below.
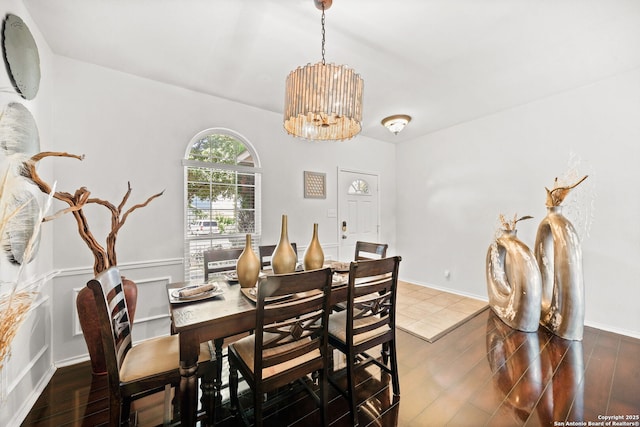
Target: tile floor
(428, 312)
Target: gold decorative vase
(248, 266)
(284, 257)
(314, 256)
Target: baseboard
(72, 361)
(32, 398)
(608, 328)
(449, 290)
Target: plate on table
(232, 276)
(340, 267)
(175, 298)
(338, 279)
(252, 294)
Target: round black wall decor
(21, 56)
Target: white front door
(357, 211)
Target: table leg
(209, 393)
(189, 349)
(188, 394)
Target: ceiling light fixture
(396, 122)
(323, 102)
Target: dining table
(229, 311)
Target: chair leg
(351, 386)
(233, 386)
(385, 353)
(209, 392)
(258, 398)
(125, 411)
(166, 416)
(395, 381)
(175, 402)
(324, 397)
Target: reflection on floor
(429, 313)
(482, 373)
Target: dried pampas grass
(18, 295)
(21, 216)
(14, 308)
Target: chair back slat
(219, 260)
(370, 250)
(265, 252)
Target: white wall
(30, 365)
(137, 130)
(461, 178)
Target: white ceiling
(441, 61)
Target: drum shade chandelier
(323, 102)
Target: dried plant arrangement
(504, 225)
(18, 295)
(556, 196)
(103, 257)
(510, 225)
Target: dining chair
(369, 250)
(219, 260)
(365, 251)
(368, 322)
(136, 371)
(266, 251)
(290, 340)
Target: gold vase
(314, 257)
(284, 257)
(248, 266)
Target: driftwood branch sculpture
(103, 258)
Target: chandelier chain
(322, 21)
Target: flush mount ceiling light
(323, 102)
(396, 122)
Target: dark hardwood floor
(482, 373)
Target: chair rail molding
(126, 266)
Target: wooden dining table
(230, 313)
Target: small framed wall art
(315, 185)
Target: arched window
(359, 186)
(222, 195)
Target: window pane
(219, 148)
(220, 203)
(359, 186)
